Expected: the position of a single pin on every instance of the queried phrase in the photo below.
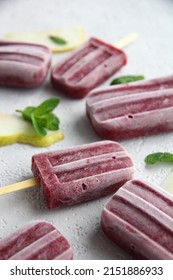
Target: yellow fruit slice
(15, 129)
(73, 37)
(167, 183)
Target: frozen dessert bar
(132, 110)
(82, 173)
(139, 218)
(36, 241)
(23, 64)
(88, 67)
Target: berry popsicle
(139, 218)
(89, 66)
(78, 174)
(23, 64)
(36, 241)
(81, 173)
(132, 110)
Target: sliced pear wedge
(74, 37)
(167, 183)
(15, 129)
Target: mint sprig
(126, 79)
(57, 40)
(159, 157)
(41, 117)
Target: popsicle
(139, 218)
(78, 174)
(23, 64)
(89, 66)
(37, 240)
(132, 110)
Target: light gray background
(151, 55)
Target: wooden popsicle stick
(19, 186)
(126, 40)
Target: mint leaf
(41, 117)
(57, 40)
(126, 79)
(38, 128)
(159, 157)
(47, 106)
(53, 123)
(27, 113)
(49, 121)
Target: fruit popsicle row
(68, 177)
(116, 112)
(138, 218)
(138, 213)
(25, 64)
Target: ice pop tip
(126, 40)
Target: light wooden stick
(126, 40)
(33, 181)
(19, 186)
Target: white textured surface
(151, 55)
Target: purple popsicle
(132, 110)
(23, 64)
(88, 67)
(139, 218)
(82, 173)
(36, 241)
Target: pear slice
(73, 36)
(167, 183)
(15, 129)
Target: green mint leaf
(38, 128)
(126, 79)
(53, 123)
(47, 106)
(26, 114)
(57, 40)
(41, 117)
(49, 121)
(159, 157)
